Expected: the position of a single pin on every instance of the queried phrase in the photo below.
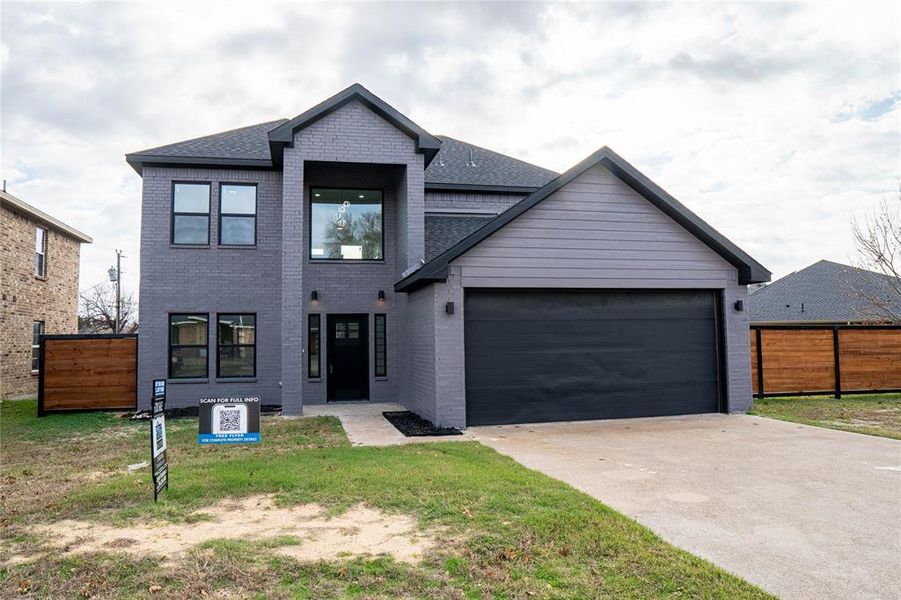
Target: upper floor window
(238, 214)
(191, 213)
(40, 252)
(346, 224)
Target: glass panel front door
(347, 374)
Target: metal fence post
(838, 363)
(759, 362)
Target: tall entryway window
(347, 356)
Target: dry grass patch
(304, 532)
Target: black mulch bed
(412, 425)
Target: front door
(347, 377)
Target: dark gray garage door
(540, 355)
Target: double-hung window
(346, 224)
(37, 330)
(191, 214)
(188, 341)
(40, 252)
(238, 214)
(237, 342)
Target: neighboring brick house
(348, 254)
(39, 257)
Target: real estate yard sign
(159, 464)
(229, 420)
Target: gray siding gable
(749, 270)
(594, 232)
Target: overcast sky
(774, 122)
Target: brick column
(292, 283)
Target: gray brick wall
(355, 136)
(209, 280)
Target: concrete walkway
(366, 426)
(803, 512)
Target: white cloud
(775, 122)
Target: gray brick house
(347, 254)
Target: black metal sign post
(159, 464)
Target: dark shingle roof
(452, 167)
(823, 292)
(247, 143)
(459, 163)
(442, 232)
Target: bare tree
(97, 310)
(878, 241)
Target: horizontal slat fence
(88, 372)
(825, 359)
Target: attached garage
(599, 296)
(561, 355)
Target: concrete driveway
(801, 511)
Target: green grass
(871, 414)
(505, 531)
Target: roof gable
(749, 270)
(283, 135)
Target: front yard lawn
(873, 414)
(502, 530)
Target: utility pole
(117, 278)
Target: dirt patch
(311, 534)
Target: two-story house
(38, 291)
(347, 255)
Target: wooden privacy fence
(816, 359)
(88, 372)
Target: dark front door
(556, 355)
(347, 376)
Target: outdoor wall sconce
(449, 308)
(739, 305)
(314, 296)
(382, 295)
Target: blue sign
(229, 421)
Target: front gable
(601, 223)
(286, 134)
(595, 231)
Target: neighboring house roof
(9, 201)
(825, 292)
(749, 270)
(462, 166)
(442, 232)
(454, 165)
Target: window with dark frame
(237, 343)
(188, 345)
(313, 342)
(346, 224)
(40, 252)
(191, 214)
(238, 214)
(381, 347)
(37, 330)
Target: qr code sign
(230, 420)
